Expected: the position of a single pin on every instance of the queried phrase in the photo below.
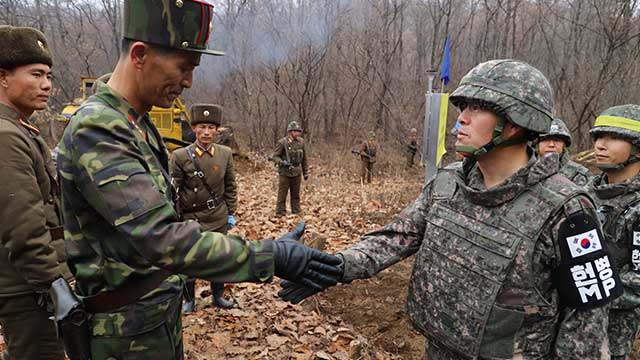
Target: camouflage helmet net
(293, 125)
(516, 91)
(622, 122)
(558, 129)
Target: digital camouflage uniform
(195, 202)
(31, 245)
(575, 172)
(412, 147)
(368, 150)
(294, 152)
(619, 211)
(120, 222)
(499, 272)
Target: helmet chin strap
(616, 167)
(497, 140)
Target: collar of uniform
(11, 114)
(201, 150)
(603, 190)
(472, 182)
(117, 101)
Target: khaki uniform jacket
(295, 152)
(218, 173)
(368, 148)
(29, 259)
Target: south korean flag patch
(585, 243)
(586, 277)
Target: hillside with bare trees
(342, 67)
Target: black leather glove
(301, 264)
(295, 293)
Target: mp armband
(585, 278)
(635, 249)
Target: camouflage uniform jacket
(368, 148)
(120, 220)
(293, 151)
(575, 172)
(217, 165)
(619, 211)
(29, 258)
(482, 281)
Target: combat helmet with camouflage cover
(558, 129)
(178, 24)
(516, 91)
(293, 126)
(622, 122)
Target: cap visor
(207, 52)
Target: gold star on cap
(206, 113)
(41, 44)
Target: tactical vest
(468, 255)
(614, 214)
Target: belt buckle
(211, 204)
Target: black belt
(208, 205)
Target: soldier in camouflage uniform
(617, 192)
(412, 147)
(31, 245)
(203, 175)
(557, 141)
(368, 150)
(122, 231)
(511, 262)
(290, 155)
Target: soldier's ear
(3, 77)
(513, 131)
(138, 53)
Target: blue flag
(445, 73)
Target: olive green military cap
(23, 46)
(205, 114)
(178, 24)
(293, 125)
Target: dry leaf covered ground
(365, 319)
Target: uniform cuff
(262, 266)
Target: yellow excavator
(172, 123)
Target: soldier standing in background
(290, 155)
(616, 133)
(125, 242)
(557, 141)
(412, 147)
(510, 258)
(368, 150)
(205, 180)
(31, 245)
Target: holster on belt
(72, 321)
